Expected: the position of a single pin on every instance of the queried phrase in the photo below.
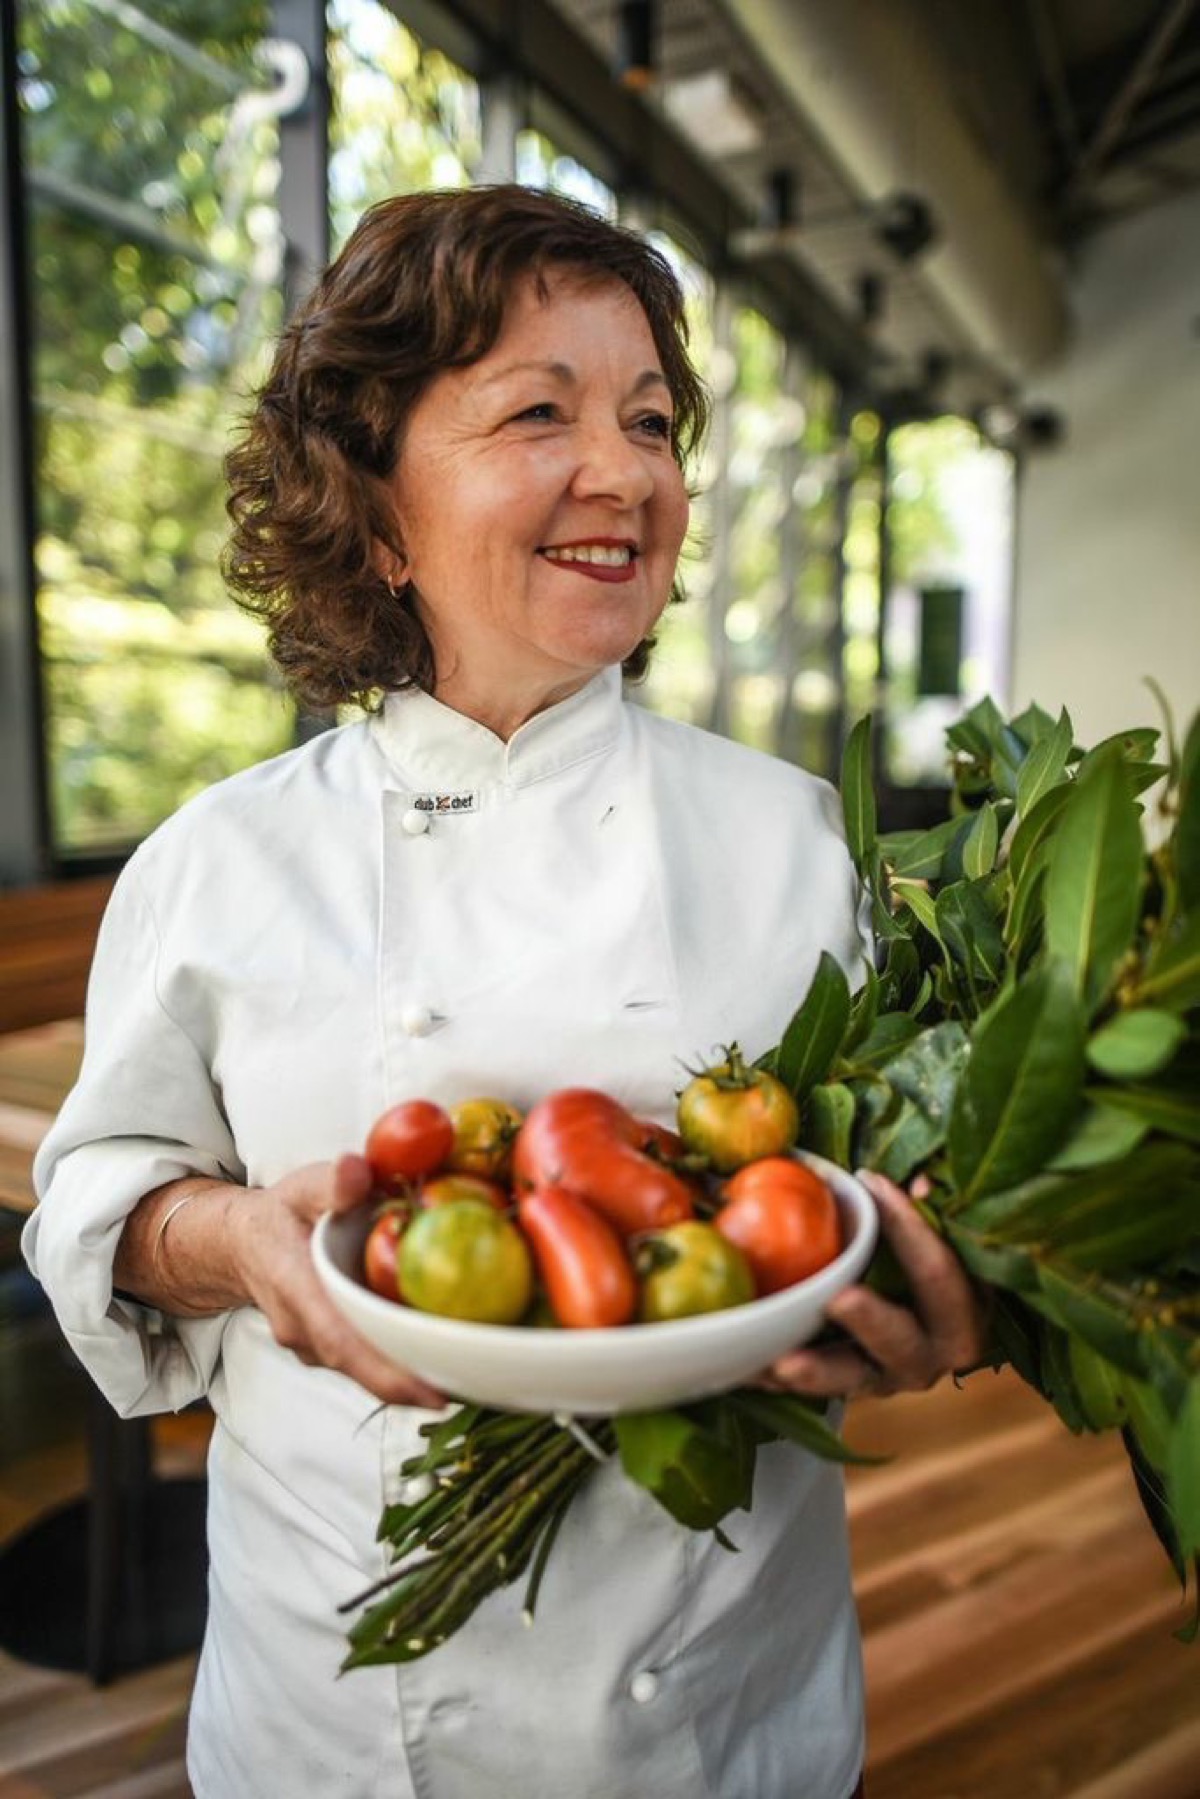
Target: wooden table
(139, 1541)
(37, 1070)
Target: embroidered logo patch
(445, 802)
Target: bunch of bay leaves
(1029, 1040)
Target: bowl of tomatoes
(582, 1260)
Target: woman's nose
(611, 467)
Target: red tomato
(588, 1143)
(657, 1140)
(410, 1140)
(580, 1259)
(443, 1188)
(784, 1220)
(735, 1114)
(381, 1252)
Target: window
(539, 163)
(151, 158)
(950, 521)
(404, 117)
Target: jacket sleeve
(145, 1110)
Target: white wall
(1108, 537)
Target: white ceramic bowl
(631, 1368)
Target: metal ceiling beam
(870, 83)
(1048, 56)
(647, 153)
(1137, 84)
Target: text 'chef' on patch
(445, 802)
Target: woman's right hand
(271, 1230)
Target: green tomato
(464, 1259)
(690, 1268)
(733, 1114)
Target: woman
(462, 486)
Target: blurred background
(943, 267)
(942, 263)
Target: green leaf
(1136, 1044)
(1045, 766)
(901, 977)
(1017, 1099)
(695, 1474)
(1136, 746)
(794, 1420)
(863, 1010)
(889, 1034)
(1058, 1378)
(968, 927)
(1149, 1418)
(1078, 1303)
(920, 855)
(1172, 976)
(1098, 1385)
(1023, 927)
(902, 1117)
(1186, 843)
(921, 905)
(1032, 725)
(1112, 1219)
(826, 1122)
(1036, 829)
(980, 844)
(858, 794)
(1173, 1110)
(1093, 880)
(1101, 1135)
(983, 733)
(812, 1039)
(1183, 1471)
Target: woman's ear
(390, 566)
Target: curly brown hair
(421, 286)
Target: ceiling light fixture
(633, 58)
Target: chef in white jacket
(461, 488)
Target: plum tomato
(783, 1218)
(587, 1142)
(410, 1140)
(581, 1261)
(439, 1189)
(463, 1260)
(732, 1113)
(381, 1251)
(484, 1132)
(690, 1268)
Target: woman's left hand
(892, 1348)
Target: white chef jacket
(607, 897)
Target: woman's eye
(657, 424)
(545, 409)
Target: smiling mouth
(593, 555)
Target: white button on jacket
(417, 1021)
(623, 895)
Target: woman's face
(539, 505)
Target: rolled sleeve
(144, 1111)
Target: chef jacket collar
(431, 746)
